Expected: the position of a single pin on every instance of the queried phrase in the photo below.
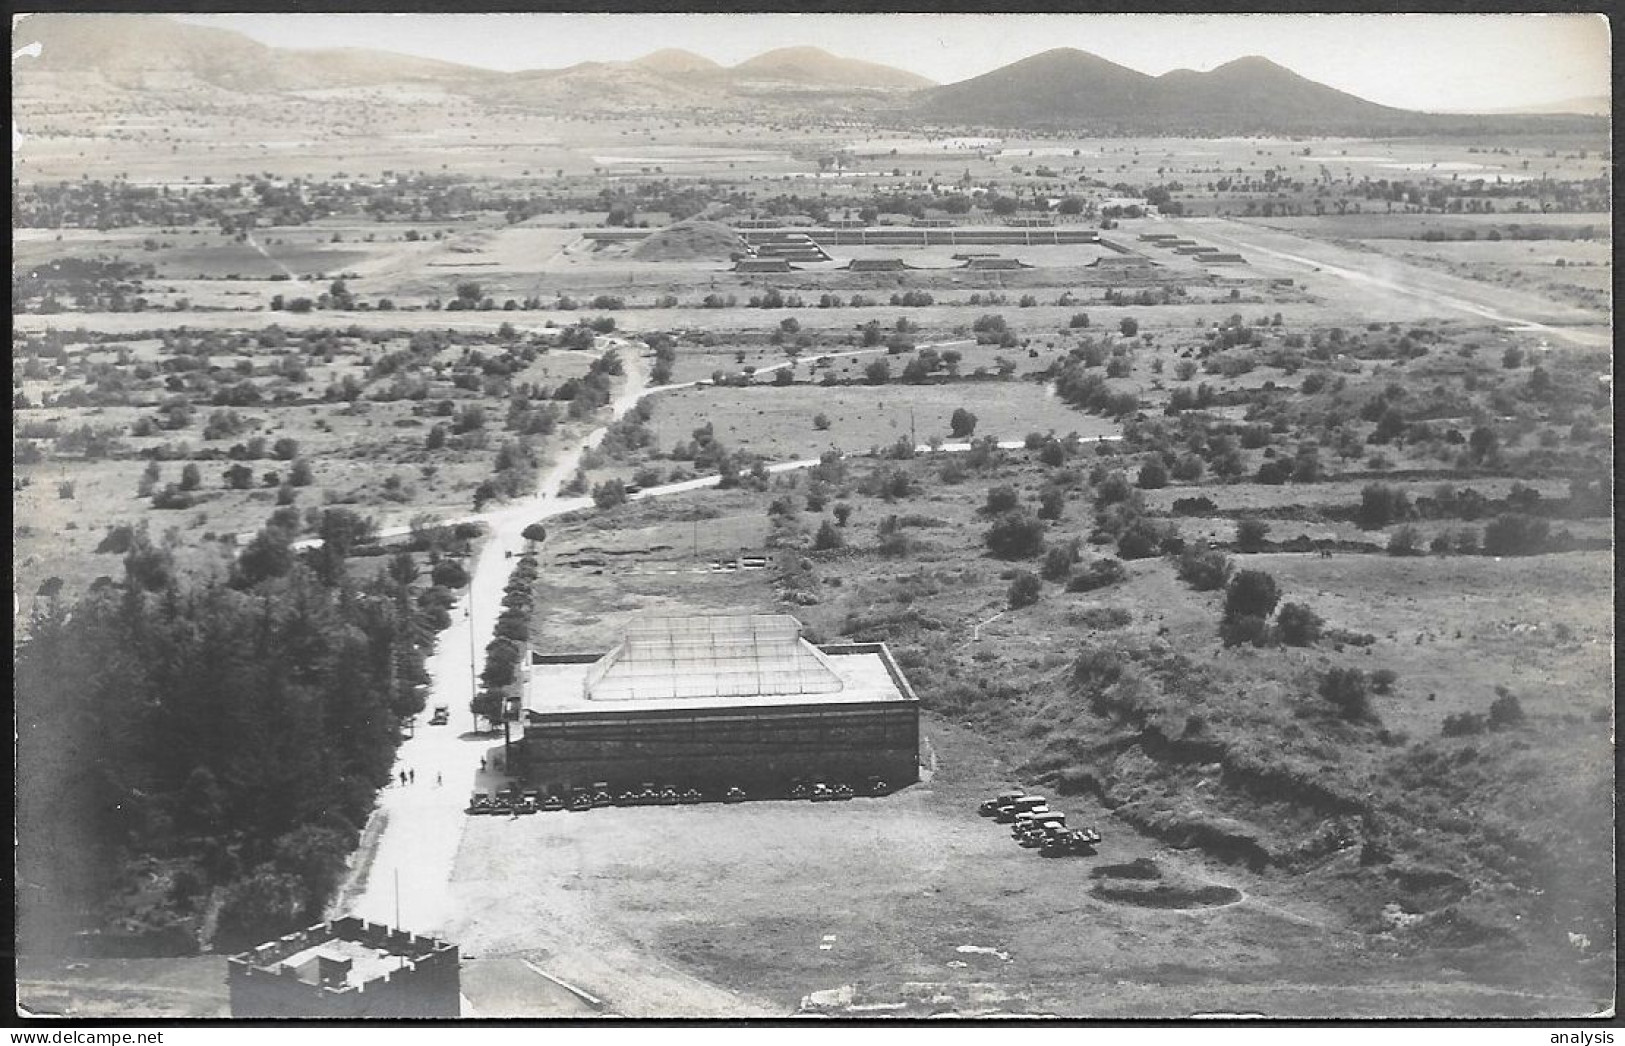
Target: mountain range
(1058, 89)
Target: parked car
(1007, 813)
(441, 716)
(992, 806)
(552, 804)
(1072, 843)
(734, 794)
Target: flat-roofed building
(713, 702)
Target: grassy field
(778, 422)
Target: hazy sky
(1435, 62)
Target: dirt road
(1388, 277)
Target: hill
(1066, 87)
(153, 52)
(814, 67)
(674, 61)
(692, 240)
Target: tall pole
(397, 899)
(473, 676)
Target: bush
(1462, 724)
(1298, 625)
(1097, 667)
(1515, 534)
(1153, 475)
(828, 537)
(609, 493)
(264, 905)
(448, 573)
(1250, 534)
(1244, 628)
(1404, 541)
(1383, 680)
(1204, 571)
(1024, 589)
(1505, 710)
(1345, 690)
(821, 422)
(1057, 564)
(1142, 539)
(961, 424)
(1001, 499)
(1098, 573)
(1251, 593)
(1016, 535)
(1381, 505)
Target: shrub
(1141, 539)
(1251, 593)
(1515, 534)
(821, 422)
(1024, 589)
(1298, 625)
(1129, 326)
(1057, 564)
(961, 424)
(609, 493)
(1404, 541)
(1097, 667)
(1016, 535)
(1381, 505)
(1199, 506)
(1153, 475)
(1204, 571)
(1505, 711)
(1462, 724)
(1098, 573)
(1383, 680)
(1001, 499)
(1051, 503)
(1250, 534)
(1244, 628)
(1345, 690)
(828, 537)
(448, 573)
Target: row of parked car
(825, 792)
(513, 800)
(1034, 825)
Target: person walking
(403, 778)
(437, 778)
(412, 776)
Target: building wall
(427, 985)
(759, 749)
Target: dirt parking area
(907, 905)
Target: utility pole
(473, 675)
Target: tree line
(196, 760)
